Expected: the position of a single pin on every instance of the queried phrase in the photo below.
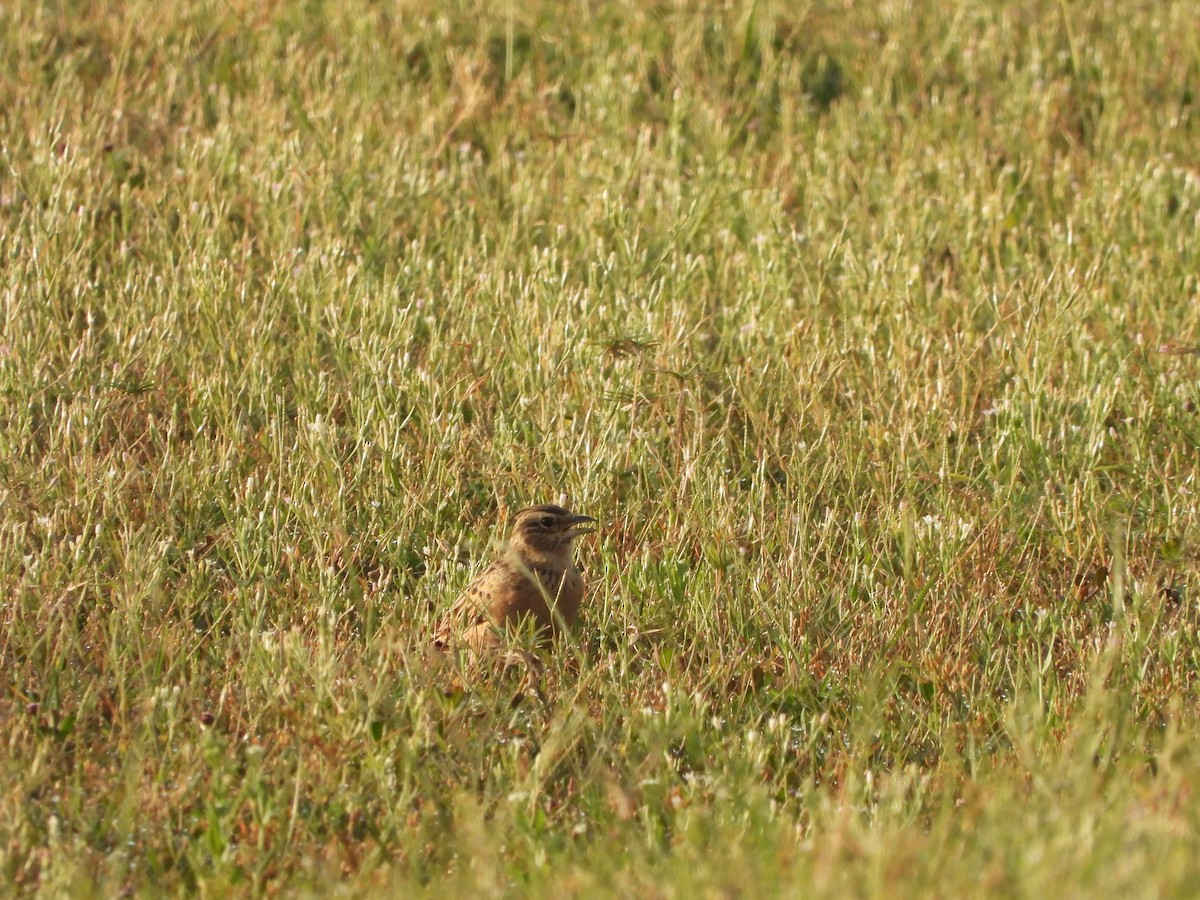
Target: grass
(869, 330)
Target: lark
(534, 579)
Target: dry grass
(868, 329)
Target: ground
(867, 330)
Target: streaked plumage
(535, 578)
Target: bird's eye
(546, 522)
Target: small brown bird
(534, 578)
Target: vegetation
(868, 329)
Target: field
(870, 331)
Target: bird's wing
(471, 608)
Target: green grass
(869, 331)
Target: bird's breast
(564, 589)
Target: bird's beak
(576, 525)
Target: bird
(534, 579)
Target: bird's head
(544, 533)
